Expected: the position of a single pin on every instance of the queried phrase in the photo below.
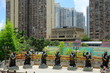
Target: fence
(80, 60)
(52, 57)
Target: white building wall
(80, 20)
(88, 24)
(64, 16)
(57, 15)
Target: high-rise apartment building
(66, 17)
(99, 19)
(34, 17)
(63, 16)
(69, 17)
(80, 20)
(57, 15)
(73, 17)
(88, 25)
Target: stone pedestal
(27, 66)
(43, 66)
(88, 69)
(1, 64)
(13, 68)
(71, 68)
(57, 67)
(108, 69)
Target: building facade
(88, 25)
(99, 12)
(57, 15)
(67, 34)
(34, 17)
(63, 16)
(80, 20)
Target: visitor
(104, 70)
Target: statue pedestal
(88, 69)
(1, 64)
(108, 69)
(13, 68)
(57, 67)
(27, 66)
(71, 68)
(43, 66)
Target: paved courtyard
(50, 70)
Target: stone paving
(50, 70)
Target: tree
(68, 51)
(85, 38)
(8, 41)
(47, 43)
(39, 44)
(55, 43)
(32, 41)
(70, 44)
(61, 46)
(85, 45)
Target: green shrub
(85, 45)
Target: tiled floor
(50, 70)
